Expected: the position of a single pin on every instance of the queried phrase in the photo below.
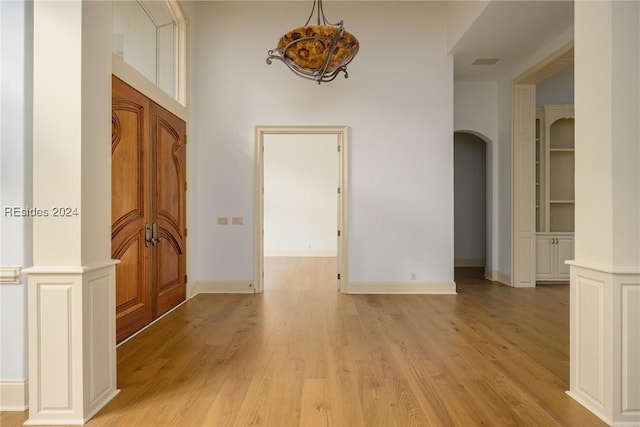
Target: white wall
(558, 89)
(398, 104)
(16, 23)
(300, 195)
(476, 108)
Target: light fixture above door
(316, 52)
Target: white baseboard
(498, 276)
(14, 395)
(491, 275)
(192, 290)
(301, 253)
(223, 287)
(469, 262)
(148, 325)
(504, 278)
(402, 288)
(593, 408)
(246, 287)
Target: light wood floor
(302, 354)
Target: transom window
(149, 35)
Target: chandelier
(316, 52)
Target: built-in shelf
(555, 192)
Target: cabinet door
(544, 258)
(564, 252)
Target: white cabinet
(555, 169)
(552, 250)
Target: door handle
(155, 238)
(148, 235)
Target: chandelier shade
(316, 52)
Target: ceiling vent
(485, 61)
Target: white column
(523, 196)
(71, 287)
(605, 276)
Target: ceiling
(510, 31)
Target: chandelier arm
(313, 8)
(321, 13)
(332, 49)
(291, 66)
(320, 78)
(274, 54)
(324, 18)
(332, 76)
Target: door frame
(342, 192)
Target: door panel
(133, 302)
(170, 272)
(168, 134)
(565, 253)
(544, 258)
(130, 209)
(130, 272)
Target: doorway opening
(301, 204)
(470, 203)
(524, 263)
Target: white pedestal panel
(605, 343)
(72, 357)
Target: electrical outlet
(223, 220)
(413, 276)
(236, 220)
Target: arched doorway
(470, 154)
(474, 229)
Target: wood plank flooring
(302, 354)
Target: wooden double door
(148, 210)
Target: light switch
(223, 220)
(236, 220)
